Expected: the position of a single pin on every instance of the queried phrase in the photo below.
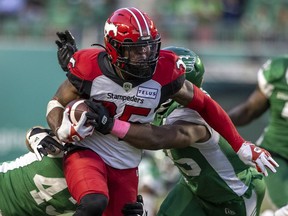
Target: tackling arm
(211, 111)
(251, 109)
(146, 136)
(179, 135)
(167, 137)
(66, 48)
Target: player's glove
(135, 209)
(257, 157)
(99, 117)
(66, 48)
(69, 132)
(42, 142)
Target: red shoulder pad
(169, 68)
(84, 64)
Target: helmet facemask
(137, 60)
(133, 43)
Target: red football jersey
(129, 101)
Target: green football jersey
(273, 82)
(31, 187)
(212, 170)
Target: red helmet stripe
(140, 20)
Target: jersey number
(47, 187)
(284, 112)
(187, 165)
(128, 110)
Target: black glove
(135, 209)
(42, 142)
(66, 48)
(99, 117)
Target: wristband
(53, 104)
(120, 128)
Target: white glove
(68, 132)
(257, 157)
(42, 142)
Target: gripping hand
(99, 117)
(135, 209)
(257, 157)
(42, 142)
(66, 48)
(68, 132)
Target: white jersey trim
(216, 158)
(265, 87)
(138, 23)
(19, 162)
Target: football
(77, 107)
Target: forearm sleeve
(216, 117)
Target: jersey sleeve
(216, 117)
(83, 69)
(84, 64)
(187, 115)
(272, 71)
(170, 74)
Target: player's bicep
(258, 102)
(252, 108)
(185, 94)
(189, 133)
(66, 93)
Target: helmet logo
(191, 64)
(110, 27)
(179, 63)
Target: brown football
(77, 107)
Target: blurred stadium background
(233, 38)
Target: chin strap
(100, 45)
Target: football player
(271, 94)
(32, 187)
(215, 181)
(29, 186)
(131, 76)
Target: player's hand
(257, 157)
(135, 209)
(42, 142)
(66, 48)
(99, 117)
(69, 132)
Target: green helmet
(194, 66)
